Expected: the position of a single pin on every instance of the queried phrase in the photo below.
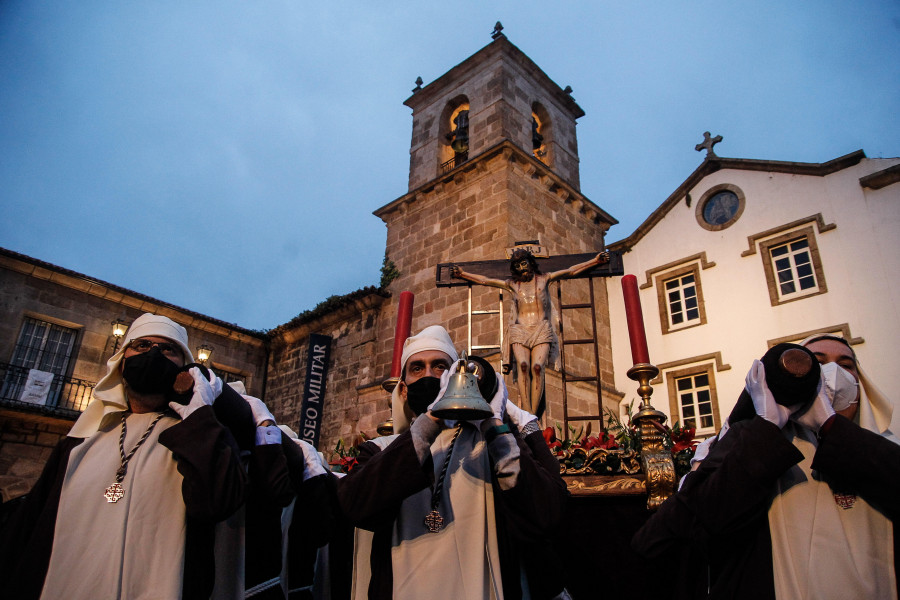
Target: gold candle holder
(656, 459)
(387, 427)
(643, 373)
(389, 384)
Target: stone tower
(493, 161)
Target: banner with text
(314, 388)
(37, 387)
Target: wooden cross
(499, 269)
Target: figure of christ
(530, 332)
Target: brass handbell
(463, 401)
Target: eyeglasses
(167, 348)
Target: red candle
(401, 332)
(636, 333)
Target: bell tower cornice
(501, 47)
(518, 160)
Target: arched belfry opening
(454, 133)
(541, 133)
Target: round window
(720, 208)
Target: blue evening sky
(226, 156)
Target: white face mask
(840, 386)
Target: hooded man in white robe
(800, 500)
(450, 505)
(127, 503)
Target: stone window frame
(840, 330)
(659, 275)
(708, 194)
(789, 261)
(27, 355)
(77, 330)
(710, 364)
(762, 242)
(675, 404)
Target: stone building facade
(59, 321)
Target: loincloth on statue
(531, 336)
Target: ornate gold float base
(605, 485)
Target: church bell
(460, 143)
(463, 400)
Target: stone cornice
(882, 178)
(500, 46)
(356, 303)
(39, 269)
(714, 163)
(532, 166)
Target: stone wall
(349, 405)
(475, 213)
(26, 442)
(31, 288)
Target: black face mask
(150, 372)
(421, 393)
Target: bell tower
(496, 95)
(493, 160)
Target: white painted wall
(860, 258)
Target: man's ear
(404, 405)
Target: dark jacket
(526, 515)
(276, 477)
(214, 487)
(720, 516)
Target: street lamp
(203, 353)
(118, 330)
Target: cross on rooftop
(708, 143)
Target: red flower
(683, 439)
(554, 444)
(346, 463)
(549, 436)
(679, 446)
(602, 440)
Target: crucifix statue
(530, 332)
